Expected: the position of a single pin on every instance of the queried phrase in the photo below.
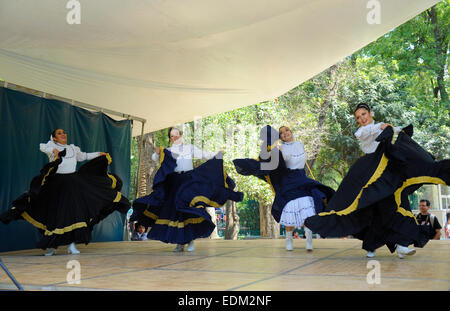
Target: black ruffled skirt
(65, 207)
(372, 203)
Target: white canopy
(174, 60)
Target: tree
(232, 221)
(419, 47)
(416, 55)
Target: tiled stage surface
(256, 265)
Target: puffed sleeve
(83, 156)
(48, 149)
(368, 130)
(359, 132)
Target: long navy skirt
(176, 209)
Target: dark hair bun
(362, 105)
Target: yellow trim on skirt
(114, 180)
(201, 198)
(46, 175)
(179, 224)
(37, 224)
(171, 223)
(410, 182)
(378, 172)
(72, 227)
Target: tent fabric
(25, 122)
(175, 60)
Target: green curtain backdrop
(25, 122)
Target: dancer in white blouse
(371, 203)
(296, 211)
(65, 204)
(176, 208)
(57, 143)
(184, 154)
(366, 135)
(296, 197)
(369, 130)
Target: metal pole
(10, 275)
(126, 230)
(140, 147)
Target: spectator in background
(424, 218)
(139, 233)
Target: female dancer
(64, 204)
(296, 196)
(372, 203)
(176, 208)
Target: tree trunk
(147, 165)
(268, 226)
(323, 109)
(232, 221)
(212, 211)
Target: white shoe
(179, 248)
(71, 249)
(289, 241)
(50, 252)
(404, 250)
(370, 254)
(289, 244)
(190, 247)
(308, 234)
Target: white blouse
(73, 155)
(294, 154)
(368, 133)
(184, 155)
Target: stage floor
(223, 265)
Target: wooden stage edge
(224, 265)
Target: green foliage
(249, 218)
(162, 138)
